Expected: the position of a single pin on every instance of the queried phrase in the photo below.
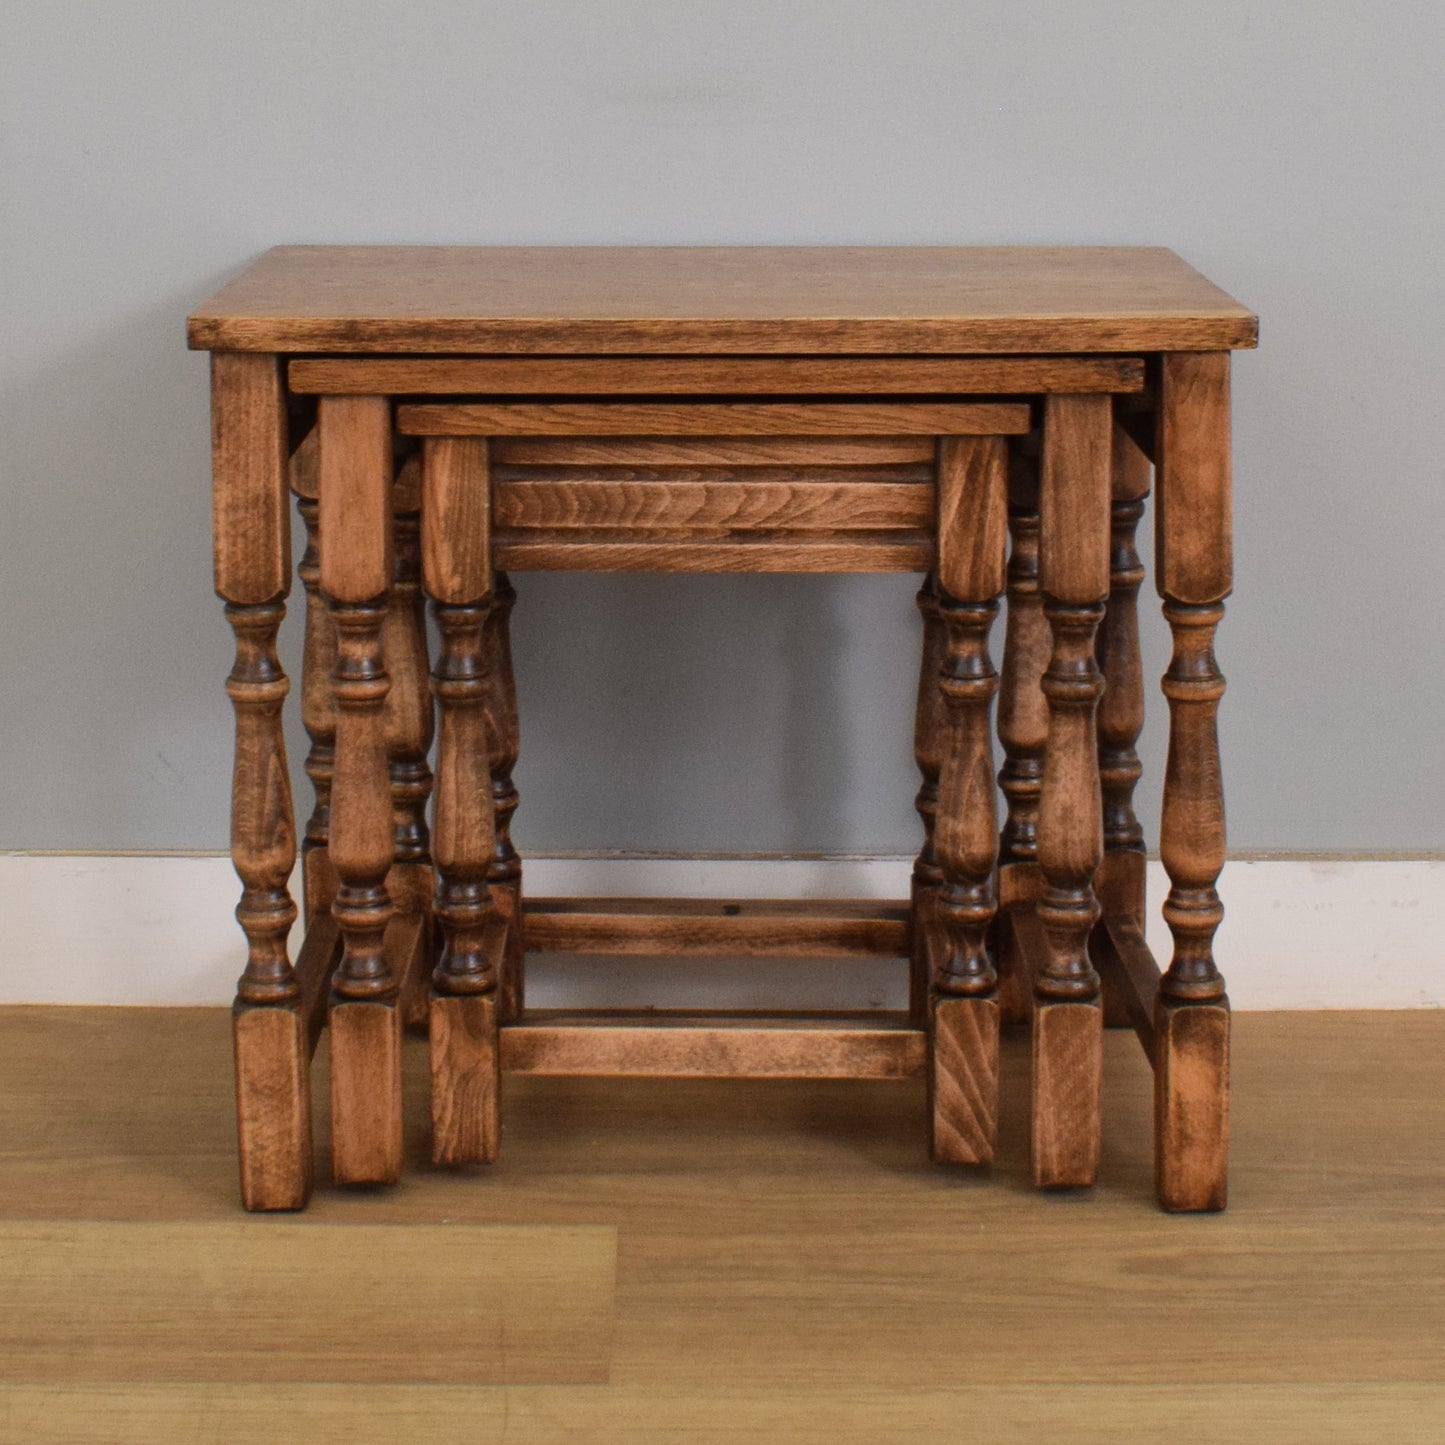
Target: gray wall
(1291, 152)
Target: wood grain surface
(273, 1107)
(765, 928)
(535, 551)
(1194, 527)
(179, 1300)
(679, 1044)
(356, 471)
(716, 419)
(456, 521)
(251, 528)
(731, 375)
(1023, 712)
(466, 1082)
(800, 505)
(794, 1269)
(753, 451)
(820, 299)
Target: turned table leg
(1023, 726)
(253, 565)
(1194, 571)
(1121, 879)
(964, 1008)
(1074, 575)
(464, 1012)
(356, 573)
(927, 751)
(408, 723)
(503, 735)
(318, 708)
(1023, 714)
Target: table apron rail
(713, 376)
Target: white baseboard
(1299, 934)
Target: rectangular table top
(815, 300)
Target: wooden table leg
(964, 1013)
(1023, 715)
(1074, 574)
(1194, 567)
(356, 574)
(408, 723)
(1121, 879)
(318, 707)
(253, 567)
(1023, 725)
(503, 735)
(928, 728)
(465, 1052)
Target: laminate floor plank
(790, 1266)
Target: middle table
(703, 486)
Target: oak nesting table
(991, 418)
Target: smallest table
(988, 417)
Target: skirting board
(1298, 934)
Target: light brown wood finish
(740, 451)
(1023, 711)
(1074, 497)
(1090, 1414)
(272, 1090)
(355, 462)
(466, 1082)
(318, 708)
(1121, 708)
(682, 552)
(409, 958)
(271, 1053)
(715, 376)
(713, 419)
(791, 299)
(663, 1044)
(809, 451)
(457, 510)
(194, 1293)
(769, 1227)
(458, 576)
(504, 877)
(1126, 963)
(1120, 881)
(356, 574)
(251, 530)
(734, 505)
(252, 573)
(705, 927)
(964, 1016)
(1019, 885)
(1194, 571)
(316, 961)
(972, 517)
(464, 1063)
(305, 464)
(1023, 723)
(407, 712)
(858, 476)
(1193, 540)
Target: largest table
(992, 418)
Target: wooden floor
(787, 1265)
